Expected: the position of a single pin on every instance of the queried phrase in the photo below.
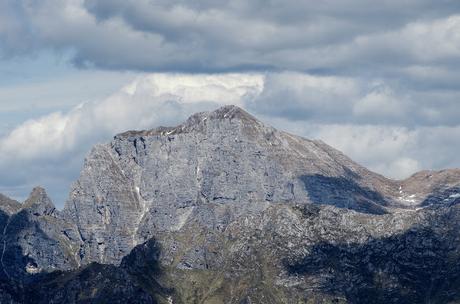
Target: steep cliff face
(240, 213)
(150, 182)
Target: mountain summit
(148, 182)
(224, 209)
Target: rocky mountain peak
(9, 205)
(228, 112)
(39, 202)
(198, 122)
(430, 187)
(224, 209)
(156, 181)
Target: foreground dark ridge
(224, 209)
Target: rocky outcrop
(38, 203)
(224, 209)
(428, 188)
(152, 182)
(9, 206)
(95, 283)
(35, 239)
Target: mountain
(224, 209)
(35, 238)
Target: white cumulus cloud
(372, 123)
(32, 151)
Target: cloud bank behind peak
(343, 111)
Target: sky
(376, 80)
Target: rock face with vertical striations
(224, 209)
(152, 182)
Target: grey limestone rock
(8, 205)
(35, 239)
(224, 209)
(146, 183)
